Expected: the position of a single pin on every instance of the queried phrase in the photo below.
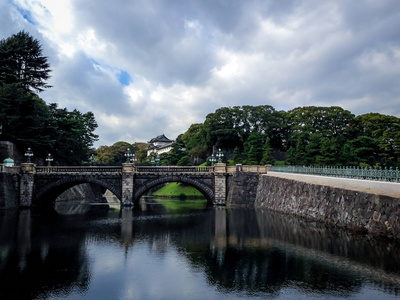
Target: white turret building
(159, 145)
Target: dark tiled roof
(160, 138)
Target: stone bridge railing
(174, 169)
(138, 169)
(77, 169)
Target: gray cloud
(188, 58)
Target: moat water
(180, 251)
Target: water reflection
(203, 253)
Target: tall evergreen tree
(252, 157)
(237, 157)
(22, 61)
(255, 141)
(267, 154)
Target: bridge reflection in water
(238, 251)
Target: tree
(184, 161)
(251, 157)
(223, 128)
(195, 141)
(237, 157)
(384, 130)
(255, 140)
(105, 155)
(296, 154)
(348, 157)
(329, 122)
(21, 61)
(313, 149)
(267, 154)
(329, 152)
(74, 135)
(141, 152)
(365, 149)
(173, 156)
(26, 120)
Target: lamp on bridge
(28, 154)
(220, 155)
(133, 159)
(212, 159)
(128, 155)
(152, 161)
(49, 159)
(157, 160)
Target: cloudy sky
(147, 67)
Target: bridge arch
(49, 193)
(203, 188)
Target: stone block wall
(8, 190)
(242, 189)
(377, 214)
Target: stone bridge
(39, 185)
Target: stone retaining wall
(377, 214)
(8, 190)
(242, 189)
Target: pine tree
(252, 157)
(267, 154)
(22, 61)
(237, 158)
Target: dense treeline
(26, 119)
(262, 135)
(305, 135)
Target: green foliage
(327, 121)
(22, 62)
(115, 154)
(174, 156)
(267, 154)
(251, 157)
(26, 119)
(237, 157)
(184, 161)
(329, 152)
(253, 147)
(74, 135)
(309, 135)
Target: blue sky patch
(124, 78)
(26, 14)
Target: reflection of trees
(39, 257)
(264, 251)
(259, 251)
(269, 271)
(239, 250)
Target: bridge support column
(26, 186)
(128, 172)
(220, 183)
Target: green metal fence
(379, 174)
